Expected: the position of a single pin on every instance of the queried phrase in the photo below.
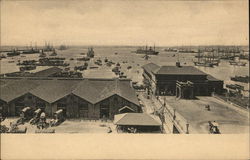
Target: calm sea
(223, 72)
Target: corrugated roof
(53, 90)
(126, 91)
(95, 91)
(91, 90)
(183, 70)
(137, 119)
(16, 88)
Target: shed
(139, 122)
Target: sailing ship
(48, 47)
(147, 50)
(229, 54)
(54, 53)
(31, 50)
(13, 53)
(91, 52)
(62, 47)
(206, 59)
(237, 62)
(42, 54)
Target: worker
(42, 120)
(208, 107)
(109, 130)
(215, 124)
(42, 116)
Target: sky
(127, 22)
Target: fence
(178, 120)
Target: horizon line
(124, 45)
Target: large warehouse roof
(183, 70)
(91, 90)
(172, 70)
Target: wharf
(197, 116)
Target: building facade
(162, 80)
(83, 98)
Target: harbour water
(124, 54)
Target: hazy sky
(126, 22)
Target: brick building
(79, 98)
(162, 80)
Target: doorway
(104, 110)
(83, 110)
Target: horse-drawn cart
(58, 118)
(36, 117)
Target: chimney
(178, 64)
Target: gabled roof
(91, 90)
(150, 67)
(95, 91)
(174, 70)
(15, 89)
(137, 119)
(125, 91)
(53, 90)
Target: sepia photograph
(124, 68)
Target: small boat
(27, 68)
(42, 54)
(90, 53)
(54, 53)
(147, 51)
(83, 59)
(2, 56)
(11, 61)
(237, 63)
(13, 53)
(242, 79)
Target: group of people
(126, 129)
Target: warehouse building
(182, 81)
(79, 98)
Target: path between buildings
(150, 106)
